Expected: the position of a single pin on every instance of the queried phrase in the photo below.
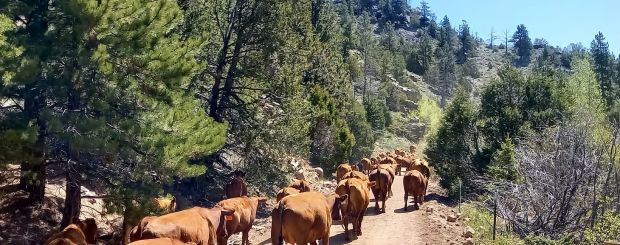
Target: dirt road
(428, 225)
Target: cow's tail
(281, 214)
(346, 211)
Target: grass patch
(481, 220)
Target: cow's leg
(383, 207)
(345, 221)
(359, 220)
(325, 240)
(244, 237)
(377, 197)
(406, 200)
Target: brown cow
(354, 207)
(286, 191)
(342, 170)
(168, 205)
(356, 175)
(199, 225)
(380, 190)
(367, 164)
(415, 184)
(237, 187)
(301, 185)
(243, 218)
(304, 218)
(77, 233)
(160, 241)
(421, 166)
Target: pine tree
(523, 44)
(104, 98)
(446, 33)
(468, 45)
(451, 150)
(426, 15)
(603, 66)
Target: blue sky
(560, 22)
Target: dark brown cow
(237, 187)
(301, 185)
(199, 225)
(391, 168)
(342, 170)
(243, 218)
(415, 184)
(304, 218)
(354, 207)
(286, 191)
(160, 241)
(77, 233)
(380, 190)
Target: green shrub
(608, 228)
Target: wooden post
(460, 187)
(494, 217)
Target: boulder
(468, 232)
(451, 218)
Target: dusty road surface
(428, 225)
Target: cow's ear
(343, 197)
(372, 183)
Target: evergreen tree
(426, 15)
(500, 106)
(451, 150)
(102, 98)
(468, 44)
(523, 45)
(603, 66)
(446, 33)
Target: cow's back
(187, 226)
(71, 235)
(244, 215)
(383, 179)
(303, 218)
(358, 195)
(415, 182)
(159, 241)
(342, 170)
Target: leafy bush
(503, 162)
(606, 229)
(429, 113)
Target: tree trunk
(73, 195)
(33, 174)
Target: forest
(144, 98)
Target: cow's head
(88, 227)
(225, 216)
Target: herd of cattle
(302, 216)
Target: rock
(429, 209)
(458, 215)
(468, 232)
(300, 175)
(318, 171)
(451, 218)
(469, 241)
(443, 216)
(258, 228)
(612, 243)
